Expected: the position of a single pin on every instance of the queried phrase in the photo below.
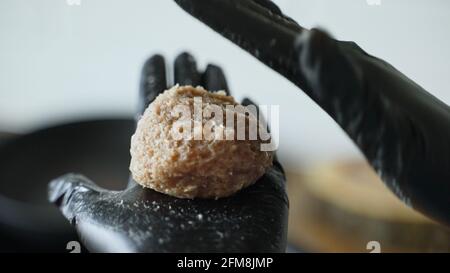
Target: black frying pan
(28, 222)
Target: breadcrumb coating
(190, 167)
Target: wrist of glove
(402, 130)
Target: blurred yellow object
(341, 207)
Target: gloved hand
(403, 131)
(138, 219)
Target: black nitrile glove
(142, 220)
(403, 131)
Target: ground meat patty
(166, 159)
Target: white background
(61, 62)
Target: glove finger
(269, 5)
(262, 121)
(153, 81)
(185, 70)
(214, 79)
